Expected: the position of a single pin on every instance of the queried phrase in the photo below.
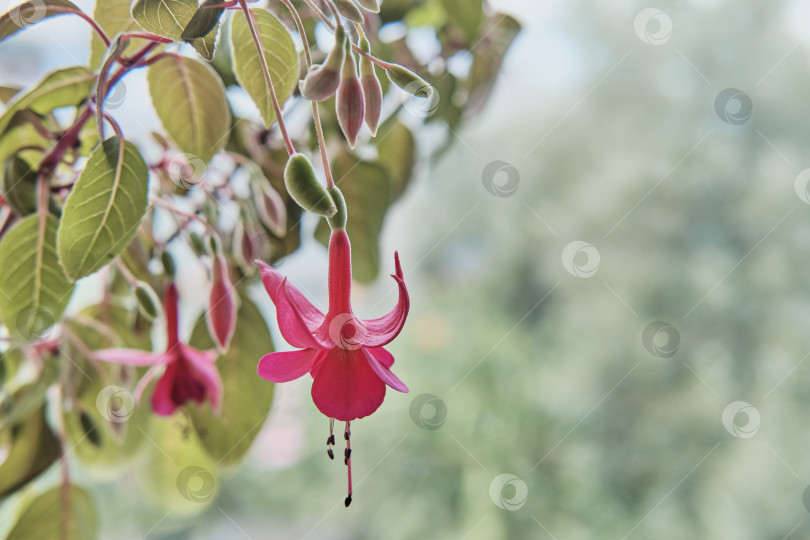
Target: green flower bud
(408, 81)
(304, 187)
(372, 93)
(197, 244)
(350, 104)
(148, 301)
(167, 261)
(370, 5)
(338, 221)
(349, 10)
(322, 81)
(215, 245)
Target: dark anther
(331, 439)
(346, 435)
(348, 501)
(346, 455)
(330, 453)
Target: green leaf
(502, 30)
(467, 15)
(104, 209)
(396, 151)
(368, 189)
(190, 101)
(20, 186)
(19, 136)
(203, 21)
(30, 448)
(46, 519)
(280, 53)
(33, 289)
(8, 92)
(29, 397)
(246, 399)
(32, 12)
(113, 17)
(68, 86)
(169, 18)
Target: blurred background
(610, 300)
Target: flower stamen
(348, 461)
(331, 440)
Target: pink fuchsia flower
(190, 375)
(344, 354)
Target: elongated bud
(338, 221)
(197, 244)
(409, 81)
(221, 314)
(244, 247)
(349, 10)
(167, 261)
(372, 90)
(270, 208)
(148, 301)
(322, 81)
(215, 245)
(304, 187)
(350, 103)
(370, 5)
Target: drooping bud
(322, 81)
(197, 243)
(270, 208)
(244, 247)
(221, 314)
(304, 187)
(350, 103)
(148, 301)
(372, 89)
(349, 10)
(370, 5)
(338, 221)
(409, 81)
(167, 261)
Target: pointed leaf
(113, 17)
(47, 519)
(280, 53)
(104, 209)
(190, 101)
(32, 12)
(246, 398)
(33, 289)
(169, 18)
(203, 21)
(31, 448)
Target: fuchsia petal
(203, 362)
(382, 331)
(346, 387)
(286, 366)
(144, 382)
(129, 357)
(162, 402)
(384, 357)
(384, 373)
(292, 323)
(272, 278)
(170, 307)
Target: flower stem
(251, 22)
